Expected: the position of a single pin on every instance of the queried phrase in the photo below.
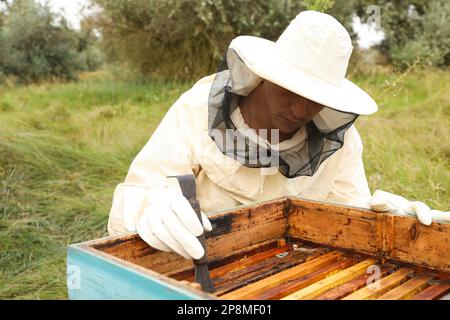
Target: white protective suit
(181, 145)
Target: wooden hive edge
(386, 235)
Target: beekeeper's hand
(384, 201)
(170, 224)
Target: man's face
(288, 110)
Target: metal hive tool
(202, 276)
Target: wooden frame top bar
(396, 237)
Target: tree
(415, 31)
(38, 44)
(186, 39)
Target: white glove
(384, 201)
(129, 202)
(170, 224)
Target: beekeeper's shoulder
(193, 104)
(352, 141)
(198, 93)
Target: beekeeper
(276, 120)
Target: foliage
(186, 39)
(415, 31)
(319, 5)
(38, 44)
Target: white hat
(310, 58)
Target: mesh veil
(324, 133)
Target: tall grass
(64, 147)
(407, 143)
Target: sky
(367, 35)
(71, 9)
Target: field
(64, 147)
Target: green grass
(64, 147)
(407, 142)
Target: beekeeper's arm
(350, 186)
(151, 204)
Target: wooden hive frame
(334, 246)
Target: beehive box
(288, 248)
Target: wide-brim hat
(310, 58)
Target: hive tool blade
(202, 276)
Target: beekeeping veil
(310, 59)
